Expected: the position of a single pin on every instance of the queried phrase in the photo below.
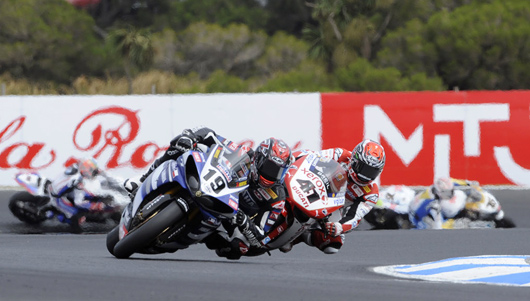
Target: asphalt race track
(48, 263)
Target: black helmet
(271, 161)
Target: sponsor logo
(172, 152)
(232, 146)
(243, 248)
(339, 201)
(356, 190)
(315, 180)
(225, 172)
(217, 153)
(301, 195)
(233, 203)
(271, 193)
(367, 189)
(264, 193)
(153, 202)
(197, 157)
(175, 233)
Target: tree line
(206, 46)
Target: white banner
(126, 133)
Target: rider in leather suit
(364, 164)
(269, 164)
(69, 197)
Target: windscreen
(233, 164)
(331, 173)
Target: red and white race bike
(316, 188)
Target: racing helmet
(366, 162)
(88, 168)
(270, 162)
(443, 189)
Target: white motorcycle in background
(485, 213)
(458, 212)
(34, 205)
(392, 208)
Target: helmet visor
(364, 171)
(271, 171)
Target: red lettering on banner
(101, 139)
(137, 158)
(94, 136)
(32, 150)
(114, 139)
(12, 128)
(26, 161)
(476, 135)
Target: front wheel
(25, 207)
(112, 239)
(506, 222)
(143, 235)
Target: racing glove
(247, 228)
(334, 229)
(240, 219)
(185, 142)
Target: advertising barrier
(127, 133)
(483, 136)
(476, 135)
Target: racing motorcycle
(182, 201)
(485, 213)
(315, 190)
(34, 204)
(392, 209)
(456, 213)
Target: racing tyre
(25, 207)
(112, 239)
(506, 222)
(142, 236)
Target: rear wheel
(143, 235)
(25, 207)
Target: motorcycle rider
(363, 165)
(452, 203)
(269, 164)
(426, 210)
(69, 197)
(392, 208)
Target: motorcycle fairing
(214, 179)
(169, 171)
(32, 182)
(309, 189)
